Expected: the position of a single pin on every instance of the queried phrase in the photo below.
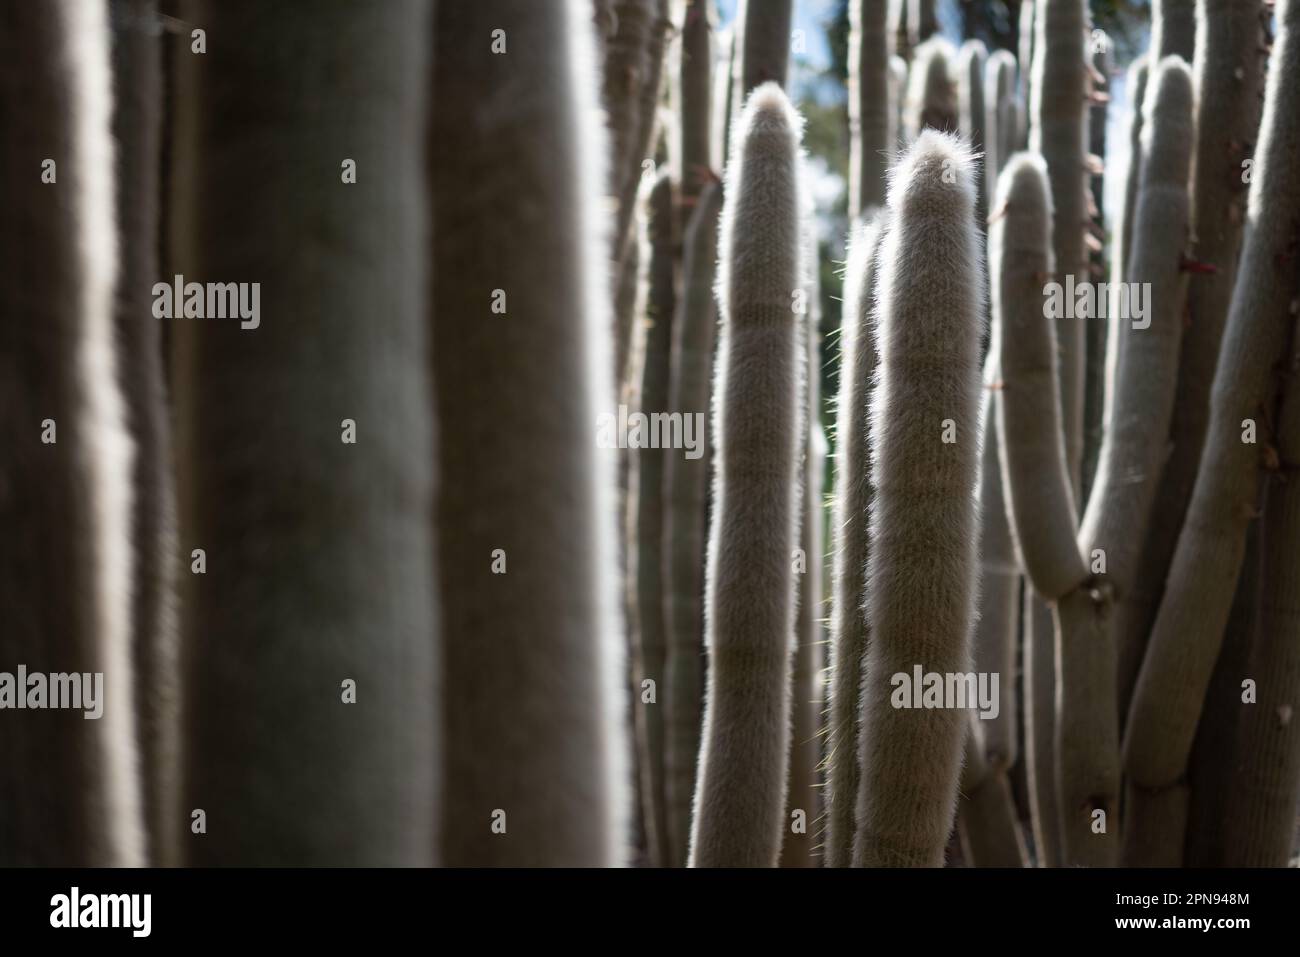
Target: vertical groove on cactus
(1260, 812)
(1059, 111)
(534, 715)
(931, 97)
(765, 42)
(687, 483)
(1229, 80)
(68, 785)
(849, 539)
(137, 128)
(648, 464)
(267, 483)
(871, 115)
(740, 798)
(921, 568)
(1189, 626)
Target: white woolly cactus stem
(849, 538)
(758, 407)
(925, 441)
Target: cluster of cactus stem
(571, 653)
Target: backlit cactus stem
(740, 799)
(921, 567)
(687, 488)
(533, 701)
(850, 538)
(68, 788)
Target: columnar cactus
(758, 405)
(269, 482)
(1259, 817)
(989, 831)
(765, 42)
(971, 118)
(67, 785)
(1134, 445)
(1059, 132)
(922, 21)
(801, 841)
(137, 128)
(1002, 115)
(648, 464)
(850, 541)
(1189, 626)
(986, 820)
(687, 487)
(898, 100)
(1173, 28)
(999, 586)
(1229, 80)
(931, 97)
(925, 441)
(1041, 504)
(900, 31)
(695, 98)
(1128, 466)
(632, 81)
(1025, 61)
(871, 114)
(535, 770)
